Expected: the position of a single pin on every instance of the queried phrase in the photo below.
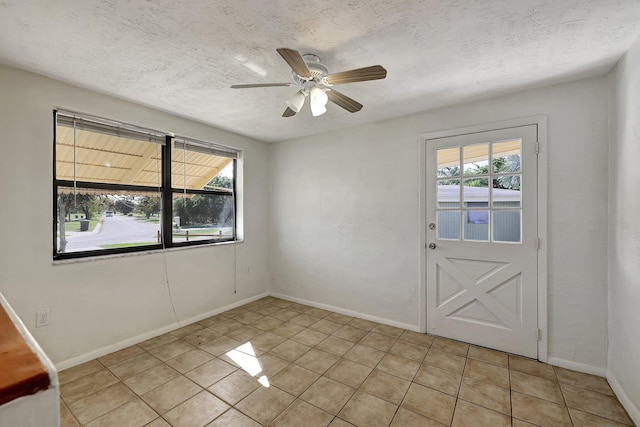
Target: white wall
(624, 232)
(100, 303)
(345, 213)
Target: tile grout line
(510, 389)
(97, 391)
(138, 396)
(564, 399)
(411, 382)
(455, 406)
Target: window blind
(205, 148)
(107, 127)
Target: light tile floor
(277, 363)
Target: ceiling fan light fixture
(318, 101)
(296, 101)
(318, 110)
(313, 80)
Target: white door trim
(541, 122)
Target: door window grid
(459, 217)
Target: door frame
(542, 186)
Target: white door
(482, 239)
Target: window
(479, 192)
(119, 188)
(203, 207)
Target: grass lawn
(199, 234)
(155, 219)
(209, 232)
(75, 225)
(126, 245)
(196, 232)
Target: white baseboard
(102, 351)
(346, 312)
(577, 366)
(632, 409)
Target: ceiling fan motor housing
(318, 71)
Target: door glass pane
(476, 190)
(476, 159)
(449, 162)
(449, 225)
(449, 194)
(506, 156)
(506, 226)
(506, 191)
(476, 225)
(511, 182)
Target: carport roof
(112, 159)
(476, 153)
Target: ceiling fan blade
(374, 72)
(295, 61)
(288, 112)
(351, 105)
(261, 85)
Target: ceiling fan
(314, 81)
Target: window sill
(149, 252)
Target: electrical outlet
(42, 318)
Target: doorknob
(432, 245)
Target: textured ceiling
(182, 56)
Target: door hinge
(537, 147)
(538, 334)
(537, 243)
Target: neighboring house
(475, 218)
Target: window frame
(165, 191)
